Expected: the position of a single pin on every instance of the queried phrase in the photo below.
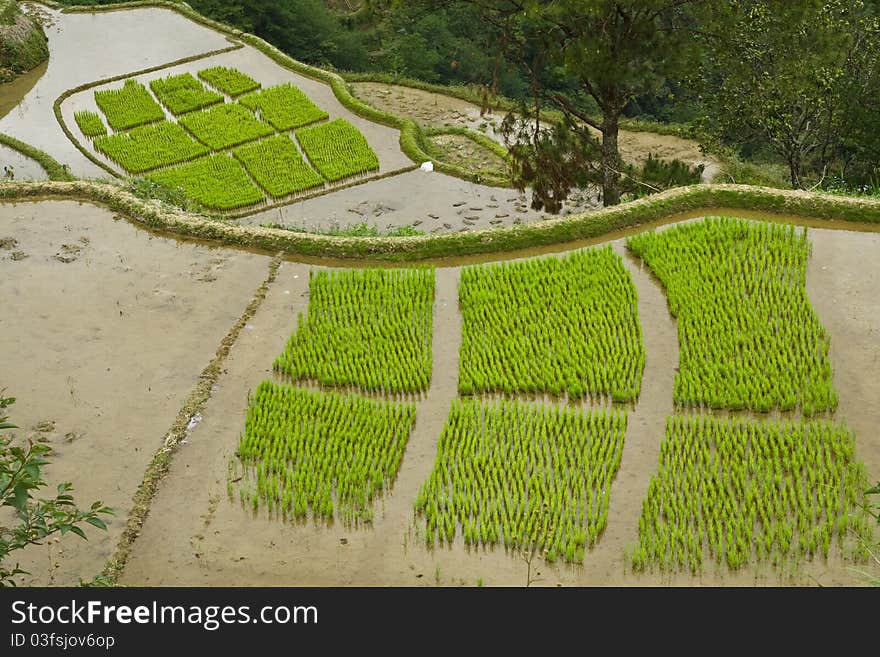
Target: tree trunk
(794, 167)
(610, 159)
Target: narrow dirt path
(646, 422)
(395, 516)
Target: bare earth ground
(438, 110)
(212, 540)
(465, 152)
(105, 331)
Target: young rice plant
(747, 333)
(150, 146)
(128, 106)
(90, 123)
(216, 181)
(337, 150)
(277, 165)
(224, 125)
(324, 453)
(284, 106)
(523, 474)
(228, 80)
(183, 93)
(737, 491)
(370, 328)
(551, 325)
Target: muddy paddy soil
(212, 540)
(107, 329)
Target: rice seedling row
(216, 181)
(276, 164)
(150, 146)
(736, 491)
(230, 81)
(748, 336)
(370, 328)
(337, 150)
(327, 454)
(128, 106)
(183, 93)
(90, 123)
(523, 475)
(284, 106)
(551, 325)
(223, 126)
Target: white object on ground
(427, 166)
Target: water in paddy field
(11, 93)
(108, 362)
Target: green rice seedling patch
(337, 150)
(230, 81)
(523, 475)
(748, 336)
(739, 491)
(150, 146)
(551, 325)
(183, 93)
(284, 106)
(128, 106)
(218, 182)
(276, 164)
(225, 125)
(90, 123)
(325, 453)
(370, 328)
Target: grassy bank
(433, 247)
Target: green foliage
(217, 182)
(551, 325)
(146, 189)
(738, 491)
(90, 123)
(36, 518)
(224, 125)
(747, 333)
(370, 328)
(301, 450)
(284, 106)
(524, 475)
(785, 76)
(276, 164)
(183, 93)
(22, 41)
(664, 174)
(150, 146)
(228, 80)
(337, 150)
(128, 106)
